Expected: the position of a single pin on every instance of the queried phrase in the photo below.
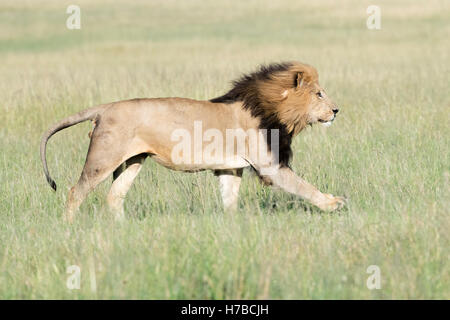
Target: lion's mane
(261, 92)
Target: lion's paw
(332, 203)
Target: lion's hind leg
(123, 179)
(87, 182)
(104, 156)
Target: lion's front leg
(287, 180)
(230, 181)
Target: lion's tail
(88, 114)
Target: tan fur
(126, 132)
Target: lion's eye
(319, 94)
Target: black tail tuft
(52, 183)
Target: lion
(282, 97)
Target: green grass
(388, 152)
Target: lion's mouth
(326, 123)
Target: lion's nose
(335, 111)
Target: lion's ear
(299, 80)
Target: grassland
(388, 152)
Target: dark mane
(246, 89)
(241, 90)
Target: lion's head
(306, 96)
(285, 96)
(288, 93)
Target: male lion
(283, 97)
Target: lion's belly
(184, 150)
(192, 167)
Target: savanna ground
(388, 152)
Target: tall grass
(388, 152)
